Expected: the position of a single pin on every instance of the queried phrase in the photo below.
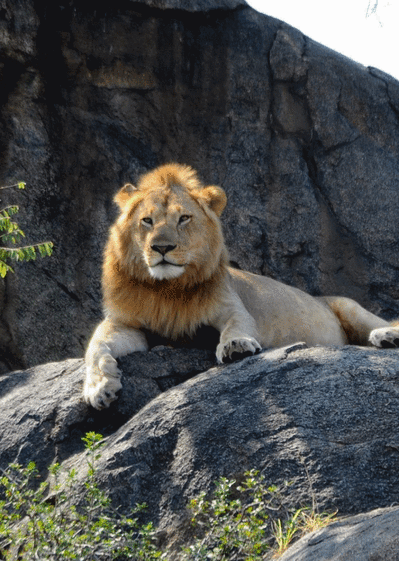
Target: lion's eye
(147, 221)
(184, 218)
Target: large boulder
(365, 537)
(325, 419)
(304, 141)
(43, 415)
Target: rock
(39, 407)
(194, 5)
(304, 141)
(43, 415)
(326, 419)
(366, 537)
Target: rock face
(304, 141)
(326, 419)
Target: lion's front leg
(108, 342)
(238, 331)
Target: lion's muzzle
(163, 249)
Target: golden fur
(131, 294)
(166, 270)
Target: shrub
(247, 521)
(38, 525)
(12, 234)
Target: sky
(350, 27)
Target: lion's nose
(163, 249)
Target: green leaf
(45, 249)
(12, 235)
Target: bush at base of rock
(52, 521)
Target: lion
(166, 270)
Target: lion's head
(169, 226)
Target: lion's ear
(215, 198)
(124, 195)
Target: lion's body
(284, 314)
(166, 270)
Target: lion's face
(167, 228)
(170, 226)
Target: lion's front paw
(237, 349)
(102, 383)
(385, 337)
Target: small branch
(371, 9)
(26, 247)
(20, 185)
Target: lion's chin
(165, 272)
